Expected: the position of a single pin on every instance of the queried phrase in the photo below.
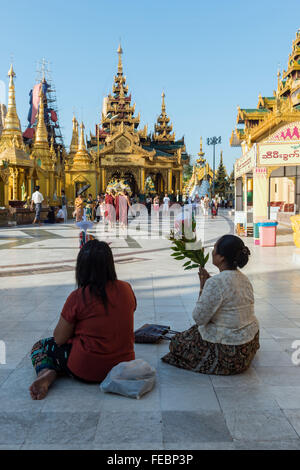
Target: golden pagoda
(15, 162)
(80, 168)
(119, 150)
(24, 167)
(47, 172)
(125, 153)
(201, 172)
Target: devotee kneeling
(226, 335)
(60, 216)
(95, 329)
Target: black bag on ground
(151, 333)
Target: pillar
(14, 173)
(260, 194)
(245, 193)
(180, 182)
(169, 185)
(103, 182)
(142, 180)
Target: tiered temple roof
(162, 130)
(286, 99)
(117, 110)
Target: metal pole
(214, 172)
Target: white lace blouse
(224, 312)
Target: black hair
(234, 250)
(37, 188)
(95, 267)
(60, 207)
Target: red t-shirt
(102, 338)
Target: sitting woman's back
(95, 329)
(103, 334)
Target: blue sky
(208, 57)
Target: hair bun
(243, 257)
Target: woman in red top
(95, 329)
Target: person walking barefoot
(37, 199)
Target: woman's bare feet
(39, 388)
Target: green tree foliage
(221, 182)
(187, 172)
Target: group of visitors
(204, 204)
(155, 202)
(111, 208)
(95, 329)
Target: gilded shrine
(118, 151)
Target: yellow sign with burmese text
(246, 163)
(276, 154)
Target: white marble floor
(259, 409)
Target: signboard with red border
(276, 154)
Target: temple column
(180, 182)
(6, 193)
(103, 182)
(260, 194)
(245, 193)
(14, 173)
(169, 184)
(142, 180)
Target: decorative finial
(120, 65)
(82, 141)
(11, 72)
(163, 105)
(74, 140)
(41, 134)
(11, 122)
(201, 154)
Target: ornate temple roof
(285, 101)
(163, 130)
(117, 111)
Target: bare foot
(39, 388)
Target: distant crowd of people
(112, 207)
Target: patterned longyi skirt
(189, 351)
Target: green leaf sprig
(196, 258)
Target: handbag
(152, 333)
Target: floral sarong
(189, 351)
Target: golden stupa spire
(82, 157)
(82, 146)
(120, 65)
(201, 159)
(163, 105)
(41, 134)
(74, 140)
(162, 130)
(12, 123)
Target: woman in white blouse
(226, 335)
